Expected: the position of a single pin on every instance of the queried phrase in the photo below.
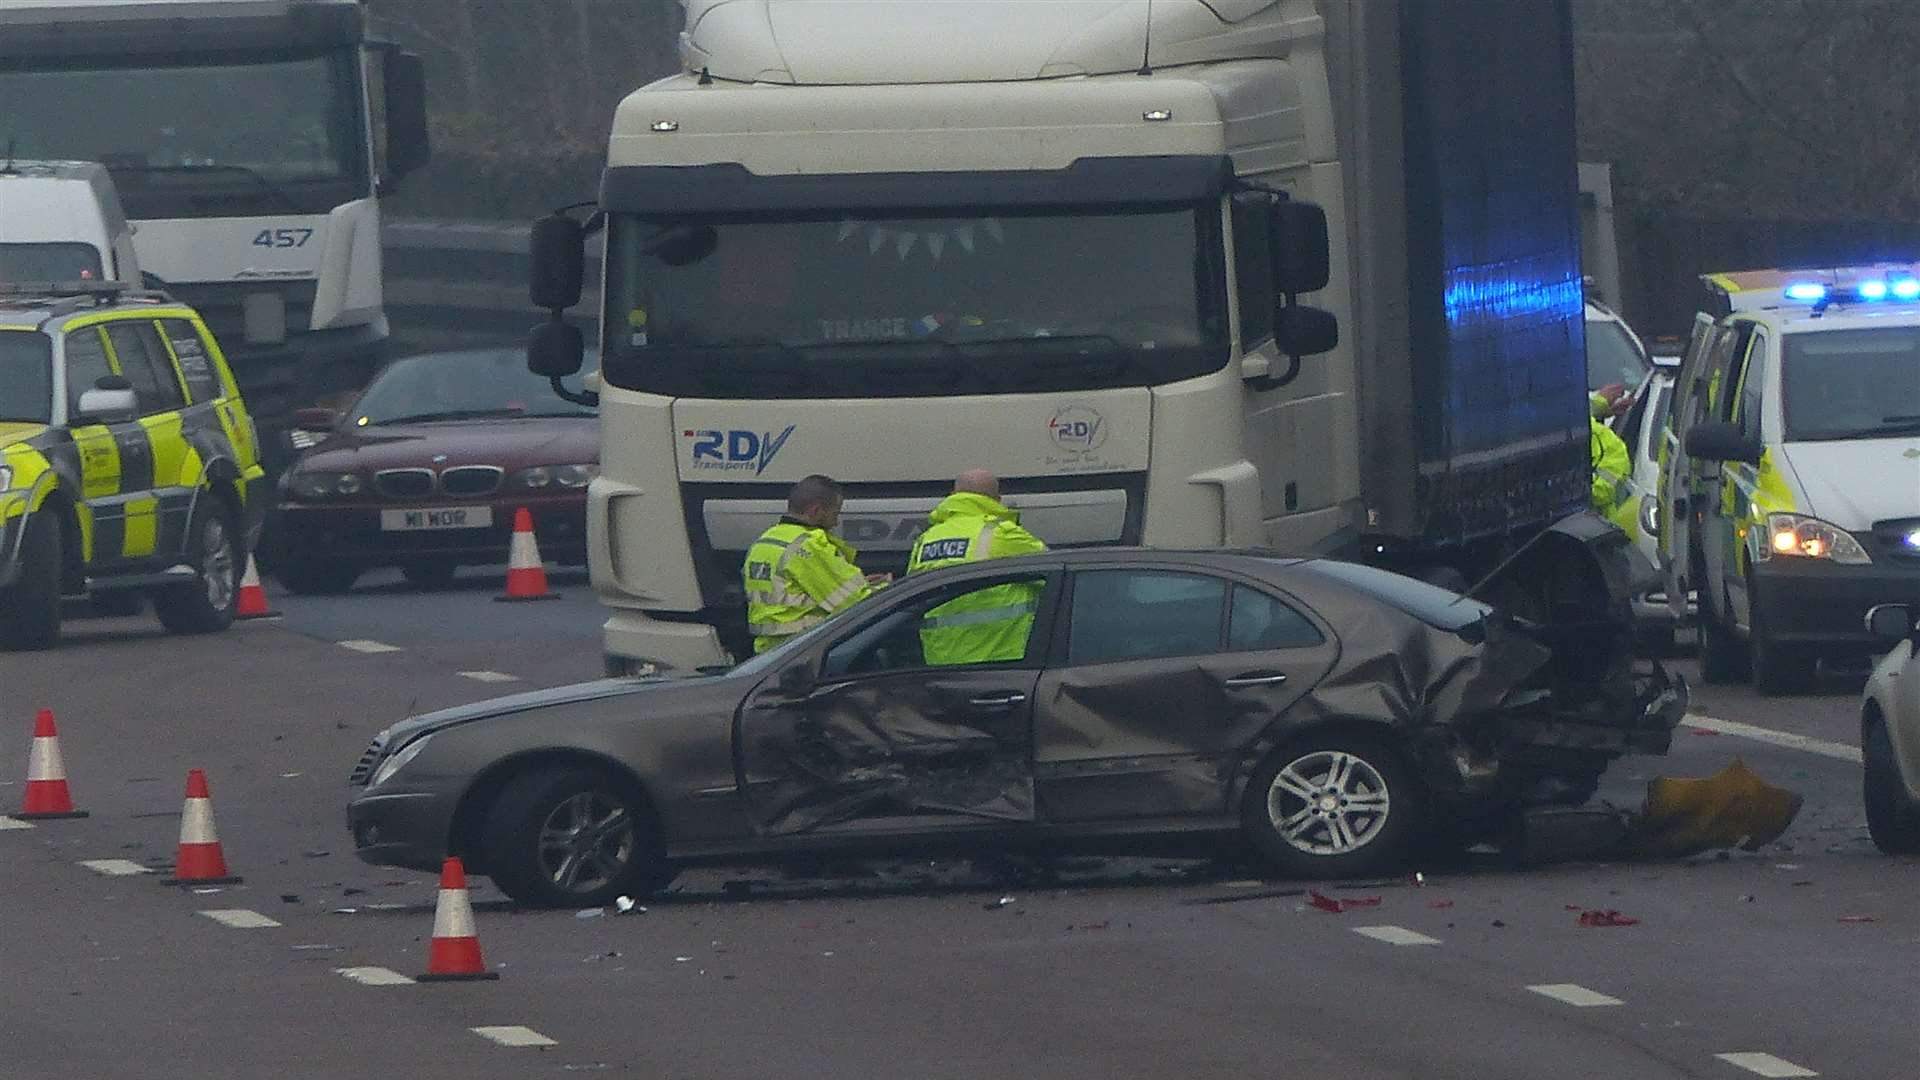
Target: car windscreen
(1612, 356)
(458, 386)
(54, 261)
(837, 305)
(1851, 384)
(1431, 604)
(26, 377)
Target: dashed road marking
(1765, 1064)
(362, 646)
(1578, 996)
(14, 823)
(489, 676)
(239, 918)
(1838, 751)
(115, 867)
(374, 976)
(1395, 935)
(513, 1035)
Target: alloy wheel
(1328, 802)
(586, 842)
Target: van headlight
(1794, 536)
(398, 760)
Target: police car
(128, 463)
(1790, 489)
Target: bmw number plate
(446, 517)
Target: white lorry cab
(1087, 247)
(62, 221)
(1791, 470)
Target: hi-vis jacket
(797, 576)
(989, 624)
(1612, 475)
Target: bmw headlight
(1794, 536)
(398, 760)
(316, 486)
(563, 476)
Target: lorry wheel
(569, 836)
(30, 608)
(1893, 819)
(1777, 668)
(314, 578)
(205, 605)
(1723, 657)
(1333, 805)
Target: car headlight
(315, 486)
(1794, 536)
(566, 476)
(1650, 515)
(398, 760)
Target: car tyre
(30, 608)
(313, 578)
(1723, 657)
(1893, 818)
(429, 576)
(206, 604)
(571, 836)
(1367, 810)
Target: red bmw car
(426, 469)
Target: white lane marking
(374, 976)
(489, 676)
(513, 1035)
(239, 918)
(1765, 1064)
(115, 867)
(14, 823)
(368, 646)
(1824, 747)
(1578, 996)
(1395, 935)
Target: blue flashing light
(1906, 289)
(1873, 290)
(1809, 292)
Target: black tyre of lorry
(1893, 818)
(1334, 805)
(572, 836)
(206, 604)
(30, 608)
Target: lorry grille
(363, 769)
(471, 479)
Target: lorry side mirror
(559, 256)
(1298, 247)
(1722, 442)
(403, 75)
(1891, 622)
(555, 349)
(1300, 330)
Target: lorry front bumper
(1823, 606)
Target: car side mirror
(555, 349)
(796, 680)
(111, 401)
(558, 250)
(314, 418)
(1891, 622)
(1722, 442)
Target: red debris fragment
(1856, 918)
(1345, 903)
(1439, 903)
(1704, 731)
(1606, 917)
(1101, 925)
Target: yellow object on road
(1685, 816)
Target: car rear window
(1431, 604)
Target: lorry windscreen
(982, 302)
(1851, 384)
(54, 261)
(26, 377)
(194, 137)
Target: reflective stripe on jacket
(796, 577)
(988, 624)
(1612, 468)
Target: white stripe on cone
(43, 760)
(250, 579)
(196, 822)
(453, 915)
(523, 553)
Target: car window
(145, 363)
(86, 363)
(1136, 614)
(972, 622)
(1747, 408)
(1431, 604)
(459, 386)
(26, 377)
(203, 382)
(1261, 622)
(1728, 369)
(1612, 356)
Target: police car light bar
(1868, 291)
(63, 288)
(1807, 292)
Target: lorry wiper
(254, 175)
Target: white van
(61, 221)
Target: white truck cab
(62, 221)
(1791, 479)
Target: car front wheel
(1333, 806)
(30, 607)
(1893, 819)
(571, 836)
(204, 605)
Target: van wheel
(204, 605)
(1777, 669)
(1723, 657)
(1333, 805)
(1893, 819)
(30, 608)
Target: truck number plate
(450, 517)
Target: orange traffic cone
(200, 861)
(454, 955)
(47, 795)
(252, 603)
(526, 577)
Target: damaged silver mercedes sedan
(1331, 716)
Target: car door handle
(1004, 701)
(1241, 682)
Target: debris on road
(1857, 918)
(289, 898)
(589, 913)
(1346, 903)
(1605, 917)
(997, 904)
(624, 905)
(1734, 808)
(1438, 904)
(1235, 898)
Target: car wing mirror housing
(797, 680)
(110, 401)
(1891, 622)
(1722, 442)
